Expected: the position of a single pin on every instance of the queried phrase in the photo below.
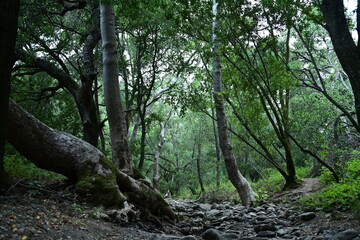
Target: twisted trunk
(97, 179)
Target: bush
(18, 166)
(341, 196)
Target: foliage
(20, 167)
(342, 196)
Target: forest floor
(38, 210)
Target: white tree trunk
(116, 115)
(242, 186)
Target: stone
(271, 209)
(230, 236)
(345, 235)
(188, 238)
(205, 206)
(266, 234)
(213, 212)
(252, 214)
(307, 216)
(281, 232)
(264, 227)
(261, 218)
(212, 234)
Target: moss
(99, 189)
(138, 174)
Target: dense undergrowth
(341, 196)
(344, 195)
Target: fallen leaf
(24, 237)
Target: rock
(345, 235)
(171, 237)
(230, 236)
(205, 206)
(188, 238)
(252, 214)
(271, 209)
(307, 216)
(281, 232)
(264, 227)
(212, 234)
(213, 212)
(261, 218)
(266, 234)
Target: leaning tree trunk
(344, 45)
(96, 177)
(242, 186)
(9, 10)
(116, 115)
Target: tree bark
(9, 10)
(198, 166)
(344, 45)
(217, 149)
(116, 115)
(156, 176)
(242, 186)
(96, 178)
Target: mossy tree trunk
(96, 177)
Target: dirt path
(307, 187)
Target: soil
(37, 210)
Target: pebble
(307, 216)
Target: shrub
(342, 196)
(18, 166)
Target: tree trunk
(198, 166)
(116, 116)
(9, 10)
(156, 176)
(344, 45)
(87, 107)
(242, 186)
(142, 140)
(218, 159)
(96, 178)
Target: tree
(344, 45)
(240, 183)
(9, 10)
(67, 55)
(116, 116)
(96, 178)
